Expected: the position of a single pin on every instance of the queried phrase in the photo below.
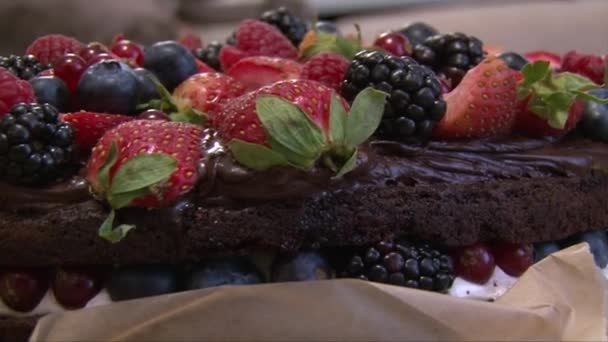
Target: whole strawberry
(13, 90)
(258, 71)
(143, 163)
(590, 66)
(327, 68)
(483, 104)
(89, 127)
(257, 38)
(48, 49)
(299, 123)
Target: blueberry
(595, 117)
(303, 266)
(147, 86)
(513, 60)
(171, 62)
(543, 249)
(141, 281)
(598, 244)
(51, 89)
(417, 32)
(231, 271)
(327, 27)
(110, 87)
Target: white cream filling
(49, 304)
(499, 284)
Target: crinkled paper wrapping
(560, 298)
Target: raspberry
(327, 68)
(50, 47)
(12, 91)
(590, 66)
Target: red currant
(474, 263)
(22, 290)
(69, 68)
(394, 43)
(130, 51)
(74, 288)
(100, 58)
(153, 114)
(513, 258)
(92, 50)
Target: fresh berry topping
(130, 52)
(590, 66)
(403, 263)
(316, 42)
(202, 67)
(91, 50)
(210, 55)
(171, 62)
(118, 169)
(513, 60)
(153, 114)
(415, 102)
(50, 47)
(258, 71)
(514, 259)
(327, 27)
(327, 68)
(24, 67)
(293, 27)
(218, 272)
(147, 85)
(191, 41)
(35, 147)
(52, 90)
(394, 43)
(554, 59)
(483, 104)
(89, 127)
(12, 91)
(74, 288)
(308, 105)
(418, 32)
(474, 263)
(544, 249)
(530, 124)
(70, 68)
(595, 117)
(100, 57)
(304, 266)
(22, 290)
(141, 281)
(108, 87)
(451, 54)
(229, 55)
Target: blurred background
(519, 25)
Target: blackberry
(24, 67)
(293, 27)
(35, 146)
(451, 54)
(210, 55)
(415, 101)
(404, 264)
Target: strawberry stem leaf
(103, 178)
(349, 165)
(254, 156)
(143, 171)
(191, 116)
(535, 72)
(337, 121)
(113, 234)
(365, 116)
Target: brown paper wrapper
(560, 298)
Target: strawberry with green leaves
(89, 127)
(143, 163)
(300, 123)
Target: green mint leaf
(590, 97)
(337, 121)
(124, 199)
(143, 171)
(103, 177)
(535, 72)
(365, 116)
(254, 156)
(113, 235)
(290, 126)
(349, 165)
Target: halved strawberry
(483, 104)
(89, 127)
(554, 59)
(258, 71)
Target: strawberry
(203, 67)
(590, 66)
(143, 163)
(551, 103)
(13, 90)
(257, 38)
(327, 68)
(89, 127)
(554, 59)
(483, 104)
(258, 71)
(298, 123)
(51, 47)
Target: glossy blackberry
(451, 54)
(415, 101)
(35, 146)
(24, 67)
(404, 264)
(293, 27)
(210, 55)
